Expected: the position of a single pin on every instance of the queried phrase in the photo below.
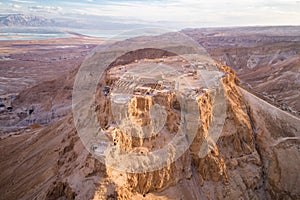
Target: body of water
(25, 33)
(28, 33)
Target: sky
(167, 13)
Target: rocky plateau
(256, 155)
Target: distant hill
(266, 59)
(25, 20)
(73, 21)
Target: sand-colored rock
(255, 157)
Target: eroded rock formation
(232, 167)
(255, 157)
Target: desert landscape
(33, 72)
(256, 156)
(266, 60)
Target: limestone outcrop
(232, 167)
(256, 155)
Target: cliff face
(238, 157)
(256, 156)
(230, 169)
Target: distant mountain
(72, 21)
(25, 20)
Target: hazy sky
(169, 13)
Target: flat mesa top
(171, 73)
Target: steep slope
(232, 168)
(248, 161)
(48, 163)
(278, 141)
